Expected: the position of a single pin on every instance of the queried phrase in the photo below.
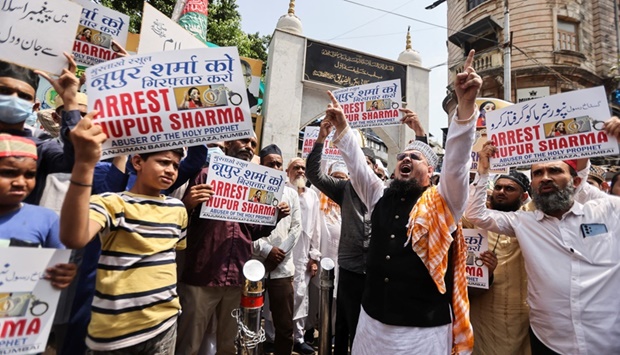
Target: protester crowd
(148, 275)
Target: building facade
(557, 45)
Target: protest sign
(477, 243)
(46, 94)
(371, 105)
(171, 99)
(243, 192)
(27, 301)
(330, 151)
(99, 25)
(35, 33)
(485, 105)
(558, 127)
(479, 140)
(252, 70)
(159, 33)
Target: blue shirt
(32, 224)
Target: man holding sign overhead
(416, 287)
(572, 257)
(217, 250)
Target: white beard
(300, 182)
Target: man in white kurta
(572, 257)
(275, 252)
(406, 308)
(306, 252)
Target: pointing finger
(333, 99)
(72, 66)
(470, 59)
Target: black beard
(505, 206)
(560, 200)
(403, 187)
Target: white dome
(290, 23)
(410, 56)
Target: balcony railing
(488, 59)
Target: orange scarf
(429, 230)
(330, 209)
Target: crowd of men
(150, 276)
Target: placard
(159, 33)
(558, 127)
(35, 33)
(243, 192)
(371, 105)
(330, 151)
(99, 25)
(27, 301)
(479, 140)
(477, 242)
(172, 99)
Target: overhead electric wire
(386, 12)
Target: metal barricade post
(248, 316)
(325, 306)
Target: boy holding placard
(136, 304)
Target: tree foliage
(224, 29)
(224, 24)
(133, 9)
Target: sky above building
(352, 24)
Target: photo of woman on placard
(484, 108)
(191, 99)
(85, 35)
(559, 129)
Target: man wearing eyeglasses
(415, 295)
(500, 315)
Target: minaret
(290, 22)
(409, 55)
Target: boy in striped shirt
(136, 305)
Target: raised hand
(488, 150)
(335, 115)
(122, 52)
(197, 194)
(67, 84)
(412, 120)
(466, 86)
(87, 139)
(324, 131)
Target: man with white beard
(572, 257)
(306, 252)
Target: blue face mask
(14, 110)
(211, 151)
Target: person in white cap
(415, 297)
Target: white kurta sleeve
(456, 162)
(365, 182)
(484, 218)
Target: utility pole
(507, 50)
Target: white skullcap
(338, 167)
(426, 150)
